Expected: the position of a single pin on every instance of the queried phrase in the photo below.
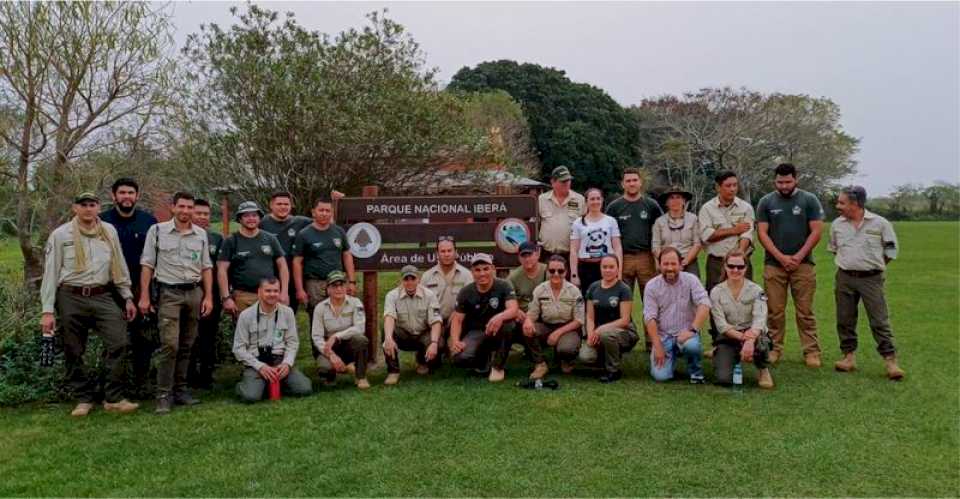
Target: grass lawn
(819, 433)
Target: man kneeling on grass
(266, 342)
(411, 322)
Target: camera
(265, 355)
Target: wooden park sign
(387, 233)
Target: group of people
(572, 292)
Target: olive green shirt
(863, 249)
(749, 310)
(635, 219)
(350, 322)
(523, 286)
(713, 216)
(446, 287)
(60, 265)
(251, 259)
(176, 257)
(557, 309)
(414, 314)
(556, 219)
(322, 250)
(788, 219)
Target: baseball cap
(409, 270)
(528, 247)
(86, 196)
(336, 276)
(561, 173)
(481, 258)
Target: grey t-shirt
(789, 221)
(606, 301)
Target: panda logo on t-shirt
(597, 242)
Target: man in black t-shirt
(132, 225)
(283, 225)
(483, 321)
(246, 258)
(203, 359)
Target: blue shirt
(132, 232)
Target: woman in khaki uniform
(338, 333)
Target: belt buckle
(85, 291)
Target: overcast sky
(893, 68)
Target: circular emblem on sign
(364, 240)
(510, 234)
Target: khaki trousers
(179, 313)
(850, 289)
(803, 284)
(638, 268)
(100, 313)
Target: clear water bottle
(538, 385)
(737, 376)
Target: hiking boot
(812, 361)
(566, 366)
(392, 379)
(351, 369)
(423, 369)
(847, 364)
(708, 354)
(363, 384)
(539, 371)
(496, 375)
(764, 379)
(164, 405)
(185, 398)
(893, 370)
(774, 357)
(82, 409)
(123, 407)
(611, 377)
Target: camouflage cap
(561, 173)
(86, 196)
(336, 276)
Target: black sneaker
(697, 380)
(611, 377)
(185, 398)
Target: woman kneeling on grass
(739, 309)
(610, 328)
(338, 334)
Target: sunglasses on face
(736, 267)
(557, 271)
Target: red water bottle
(275, 390)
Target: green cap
(561, 173)
(409, 270)
(86, 196)
(336, 276)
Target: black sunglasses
(557, 271)
(736, 267)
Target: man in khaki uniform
(178, 253)
(864, 243)
(411, 322)
(726, 222)
(83, 264)
(557, 209)
(338, 331)
(446, 279)
(555, 317)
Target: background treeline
(940, 201)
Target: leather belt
(87, 290)
(182, 287)
(862, 273)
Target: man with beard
(789, 224)
(635, 214)
(248, 257)
(132, 225)
(285, 226)
(675, 306)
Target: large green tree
(276, 106)
(573, 124)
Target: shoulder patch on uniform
(762, 296)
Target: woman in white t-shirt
(592, 236)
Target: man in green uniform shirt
(789, 224)
(319, 249)
(285, 226)
(635, 214)
(203, 360)
(248, 257)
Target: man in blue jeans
(675, 306)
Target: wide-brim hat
(248, 207)
(675, 189)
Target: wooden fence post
(370, 296)
(225, 214)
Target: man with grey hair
(864, 243)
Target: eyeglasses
(445, 238)
(557, 271)
(736, 267)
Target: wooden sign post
(387, 233)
